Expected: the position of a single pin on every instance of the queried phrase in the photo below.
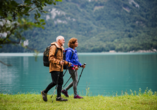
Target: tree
(14, 18)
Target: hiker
(56, 68)
(72, 57)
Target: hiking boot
(78, 97)
(44, 96)
(61, 99)
(65, 93)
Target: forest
(99, 26)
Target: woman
(72, 57)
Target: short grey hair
(59, 37)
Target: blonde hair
(71, 42)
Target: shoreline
(84, 53)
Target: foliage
(99, 25)
(14, 18)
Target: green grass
(145, 101)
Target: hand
(76, 68)
(61, 62)
(67, 63)
(83, 66)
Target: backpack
(64, 58)
(46, 56)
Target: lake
(105, 73)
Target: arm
(52, 58)
(79, 64)
(68, 57)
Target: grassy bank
(146, 101)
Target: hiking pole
(66, 69)
(56, 85)
(65, 72)
(68, 79)
(81, 73)
(66, 82)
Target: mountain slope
(99, 25)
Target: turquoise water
(105, 73)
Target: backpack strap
(72, 54)
(56, 51)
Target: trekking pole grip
(84, 64)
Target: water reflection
(8, 77)
(25, 65)
(104, 74)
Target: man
(56, 68)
